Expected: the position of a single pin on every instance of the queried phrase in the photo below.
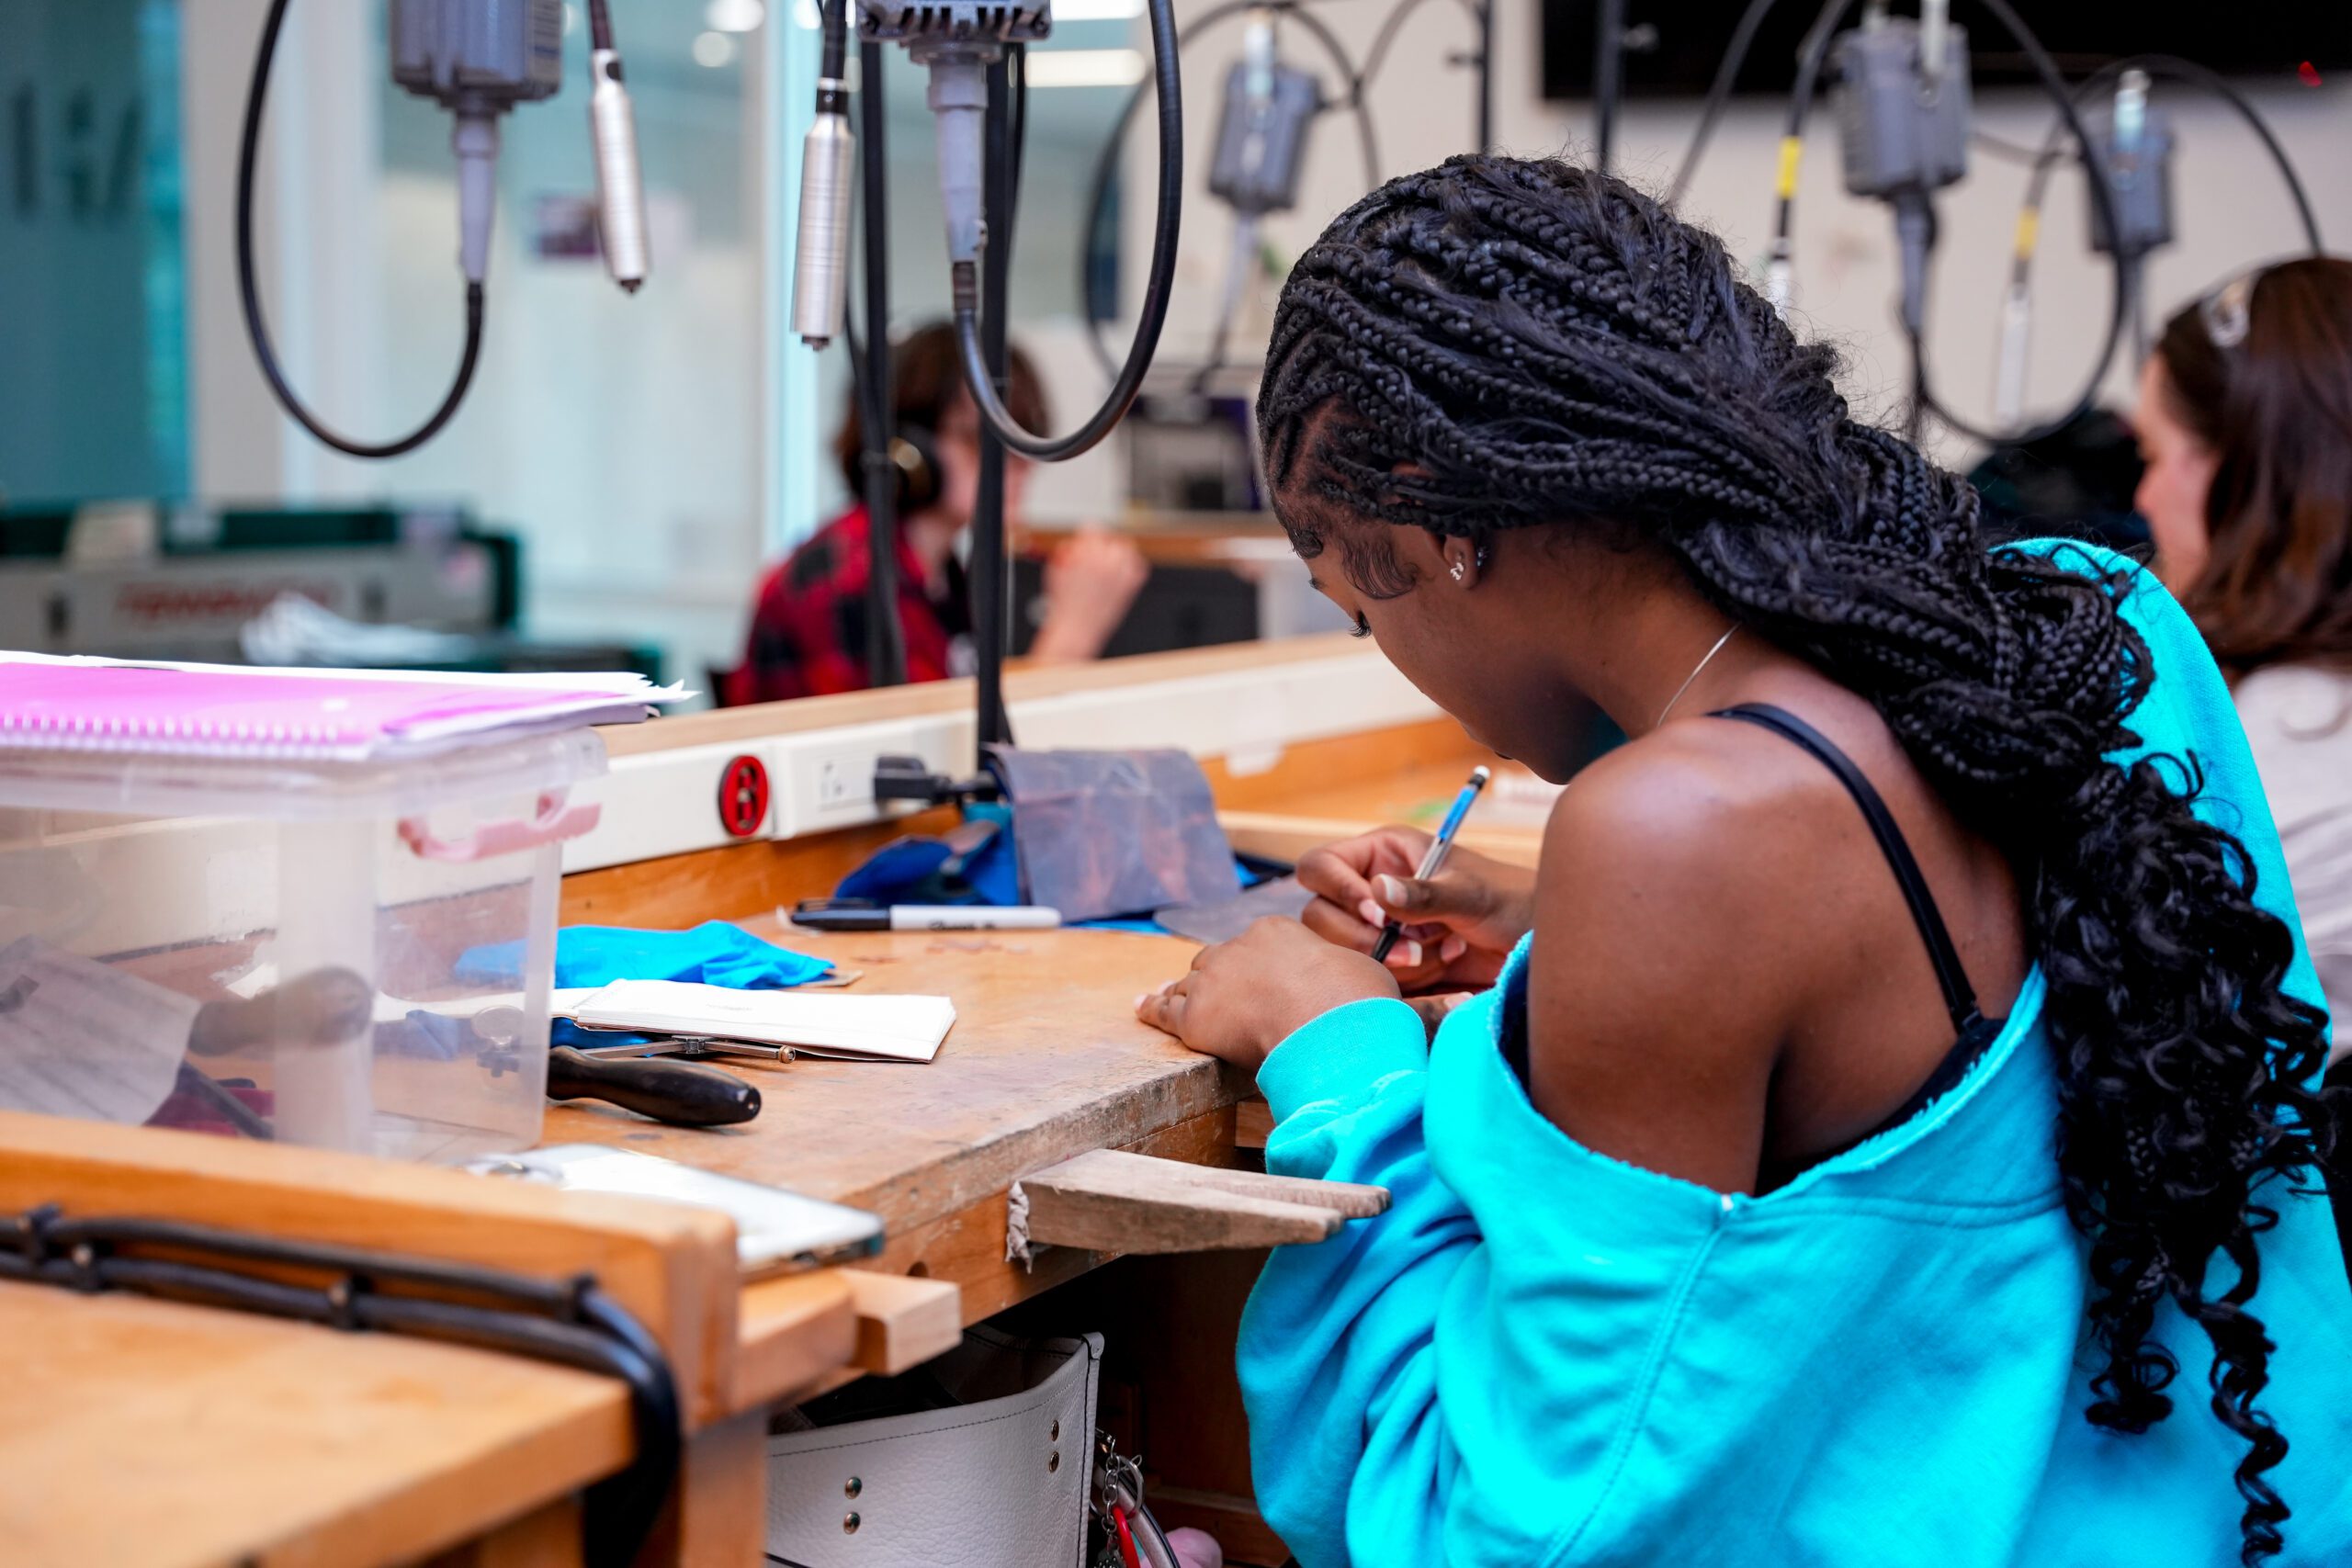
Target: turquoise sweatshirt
(1544, 1356)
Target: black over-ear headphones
(914, 460)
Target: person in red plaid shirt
(807, 634)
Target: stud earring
(1457, 572)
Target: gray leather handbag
(1001, 1471)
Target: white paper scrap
(79, 1038)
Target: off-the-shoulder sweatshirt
(1544, 1356)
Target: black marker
(858, 915)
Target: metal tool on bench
(660, 1079)
(332, 1003)
(635, 1075)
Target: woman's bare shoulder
(1674, 944)
(1724, 803)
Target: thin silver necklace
(1695, 668)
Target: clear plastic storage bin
(349, 955)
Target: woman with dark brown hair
(2245, 421)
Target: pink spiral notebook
(212, 710)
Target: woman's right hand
(1090, 583)
(1459, 926)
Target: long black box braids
(1502, 342)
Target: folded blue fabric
(714, 953)
(969, 866)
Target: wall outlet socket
(825, 780)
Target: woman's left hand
(1247, 995)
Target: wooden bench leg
(718, 1517)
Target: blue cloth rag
(924, 870)
(973, 865)
(714, 953)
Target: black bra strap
(1960, 997)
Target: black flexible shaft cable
(1017, 71)
(249, 289)
(2174, 68)
(991, 569)
(885, 641)
(1106, 165)
(569, 1323)
(1608, 79)
(2047, 159)
(1390, 26)
(1813, 56)
(2103, 200)
(1743, 38)
(1159, 284)
(1810, 56)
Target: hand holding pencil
(1433, 860)
(1455, 924)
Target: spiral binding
(157, 732)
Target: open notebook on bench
(894, 1029)
(860, 1028)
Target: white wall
(2231, 209)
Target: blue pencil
(1440, 846)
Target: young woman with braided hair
(1893, 1095)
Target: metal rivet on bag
(852, 1487)
(1054, 1463)
(849, 1524)
(1057, 1433)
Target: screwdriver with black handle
(685, 1094)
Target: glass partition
(93, 349)
(618, 436)
(625, 468)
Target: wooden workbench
(156, 1433)
(1046, 1061)
(1180, 538)
(137, 1432)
